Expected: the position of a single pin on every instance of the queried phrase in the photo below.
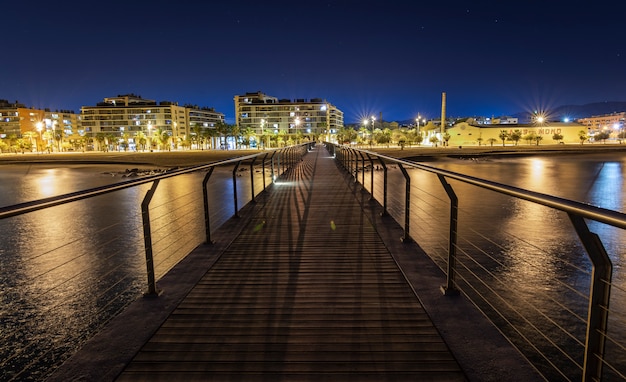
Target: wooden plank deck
(308, 291)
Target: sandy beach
(197, 157)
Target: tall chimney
(443, 113)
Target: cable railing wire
(113, 267)
(503, 283)
(554, 329)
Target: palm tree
(3, 146)
(100, 138)
(248, 135)
(124, 143)
(434, 140)
(141, 140)
(557, 137)
(223, 129)
(196, 135)
(22, 145)
(503, 136)
(29, 135)
(446, 137)
(163, 137)
(419, 138)
(57, 135)
(515, 136)
(385, 136)
(582, 135)
(111, 139)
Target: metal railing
(60, 276)
(481, 282)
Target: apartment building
(52, 127)
(264, 114)
(613, 121)
(17, 119)
(130, 114)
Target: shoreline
(197, 157)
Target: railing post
(278, 161)
(205, 197)
(384, 166)
(354, 172)
(338, 155)
(263, 168)
(272, 166)
(407, 204)
(371, 176)
(252, 178)
(362, 169)
(147, 238)
(235, 189)
(599, 297)
(282, 159)
(450, 288)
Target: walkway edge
(104, 356)
(481, 350)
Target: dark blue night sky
(366, 57)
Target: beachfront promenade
(310, 283)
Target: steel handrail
(23, 208)
(600, 285)
(603, 215)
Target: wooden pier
(307, 291)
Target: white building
(127, 115)
(266, 115)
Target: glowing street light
(39, 127)
(262, 131)
(150, 135)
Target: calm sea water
(36, 248)
(526, 258)
(66, 270)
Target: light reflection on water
(529, 253)
(70, 259)
(66, 270)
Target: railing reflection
(76, 260)
(549, 297)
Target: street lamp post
(175, 138)
(39, 127)
(150, 135)
(262, 129)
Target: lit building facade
(202, 119)
(467, 134)
(17, 119)
(265, 114)
(52, 130)
(611, 123)
(128, 115)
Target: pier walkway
(313, 285)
